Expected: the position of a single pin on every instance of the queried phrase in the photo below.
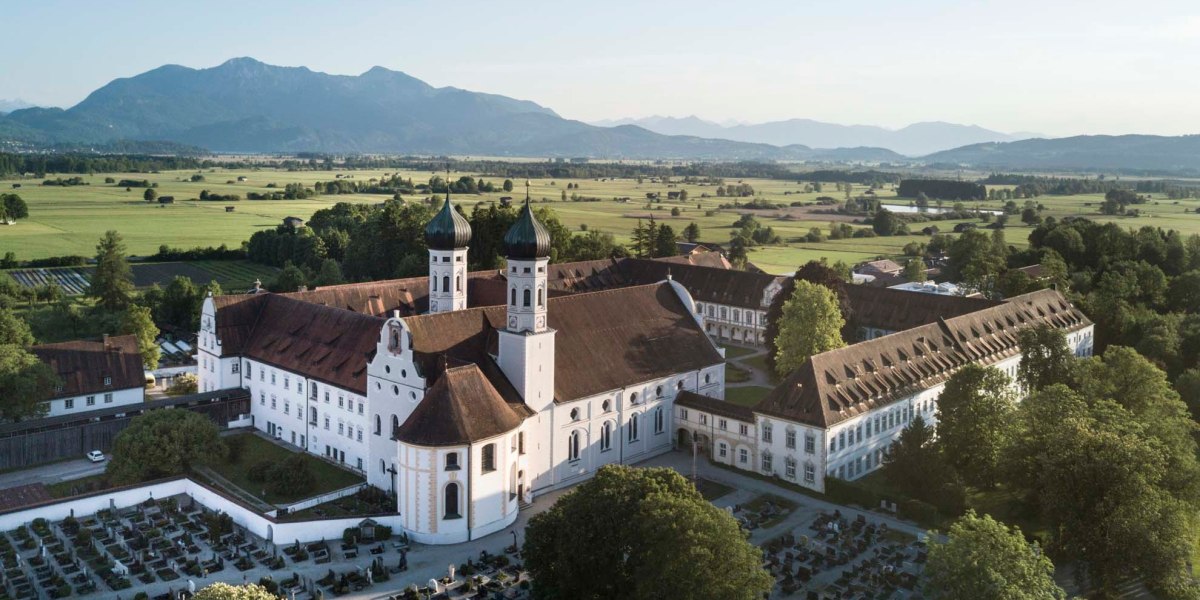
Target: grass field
(69, 220)
(747, 395)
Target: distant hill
(1085, 152)
(917, 139)
(244, 105)
(7, 105)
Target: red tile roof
(83, 364)
(461, 407)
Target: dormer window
(108, 381)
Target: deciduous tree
(14, 330)
(983, 559)
(162, 443)
(809, 324)
(25, 382)
(648, 534)
(137, 320)
(1045, 357)
(974, 422)
(225, 591)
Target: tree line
(946, 189)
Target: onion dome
(448, 230)
(527, 238)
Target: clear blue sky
(1050, 66)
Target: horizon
(1068, 72)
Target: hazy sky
(1050, 66)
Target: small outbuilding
(230, 208)
(293, 222)
(166, 199)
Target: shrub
(351, 535)
(260, 471)
(291, 477)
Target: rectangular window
(744, 429)
(790, 468)
(108, 381)
(703, 419)
(683, 414)
(790, 439)
(327, 423)
(868, 428)
(766, 463)
(358, 435)
(842, 439)
(810, 473)
(452, 461)
(350, 405)
(722, 450)
(262, 399)
(69, 403)
(326, 396)
(91, 400)
(766, 433)
(287, 407)
(341, 402)
(272, 401)
(858, 434)
(743, 456)
(235, 367)
(722, 424)
(832, 444)
(108, 398)
(272, 378)
(810, 443)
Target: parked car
(95, 456)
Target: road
(52, 473)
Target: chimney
(107, 344)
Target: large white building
(465, 413)
(839, 412)
(465, 394)
(93, 374)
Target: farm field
(69, 220)
(233, 275)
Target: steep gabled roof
(329, 345)
(706, 284)
(82, 365)
(461, 407)
(834, 386)
(603, 341)
(897, 310)
(690, 399)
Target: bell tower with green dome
(447, 236)
(526, 344)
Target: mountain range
(917, 139)
(244, 105)
(9, 105)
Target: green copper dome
(448, 230)
(527, 238)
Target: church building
(464, 412)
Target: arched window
(527, 297)
(378, 425)
(573, 446)
(395, 424)
(488, 458)
(458, 283)
(659, 420)
(445, 283)
(451, 501)
(541, 297)
(633, 428)
(606, 436)
(433, 282)
(514, 297)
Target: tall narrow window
(513, 301)
(488, 458)
(458, 283)
(573, 446)
(659, 421)
(526, 296)
(451, 501)
(434, 282)
(445, 283)
(541, 297)
(633, 428)
(606, 436)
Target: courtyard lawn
(736, 374)
(711, 490)
(734, 352)
(759, 363)
(746, 396)
(328, 477)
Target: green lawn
(746, 396)
(74, 487)
(736, 374)
(69, 220)
(711, 490)
(329, 477)
(732, 352)
(759, 363)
